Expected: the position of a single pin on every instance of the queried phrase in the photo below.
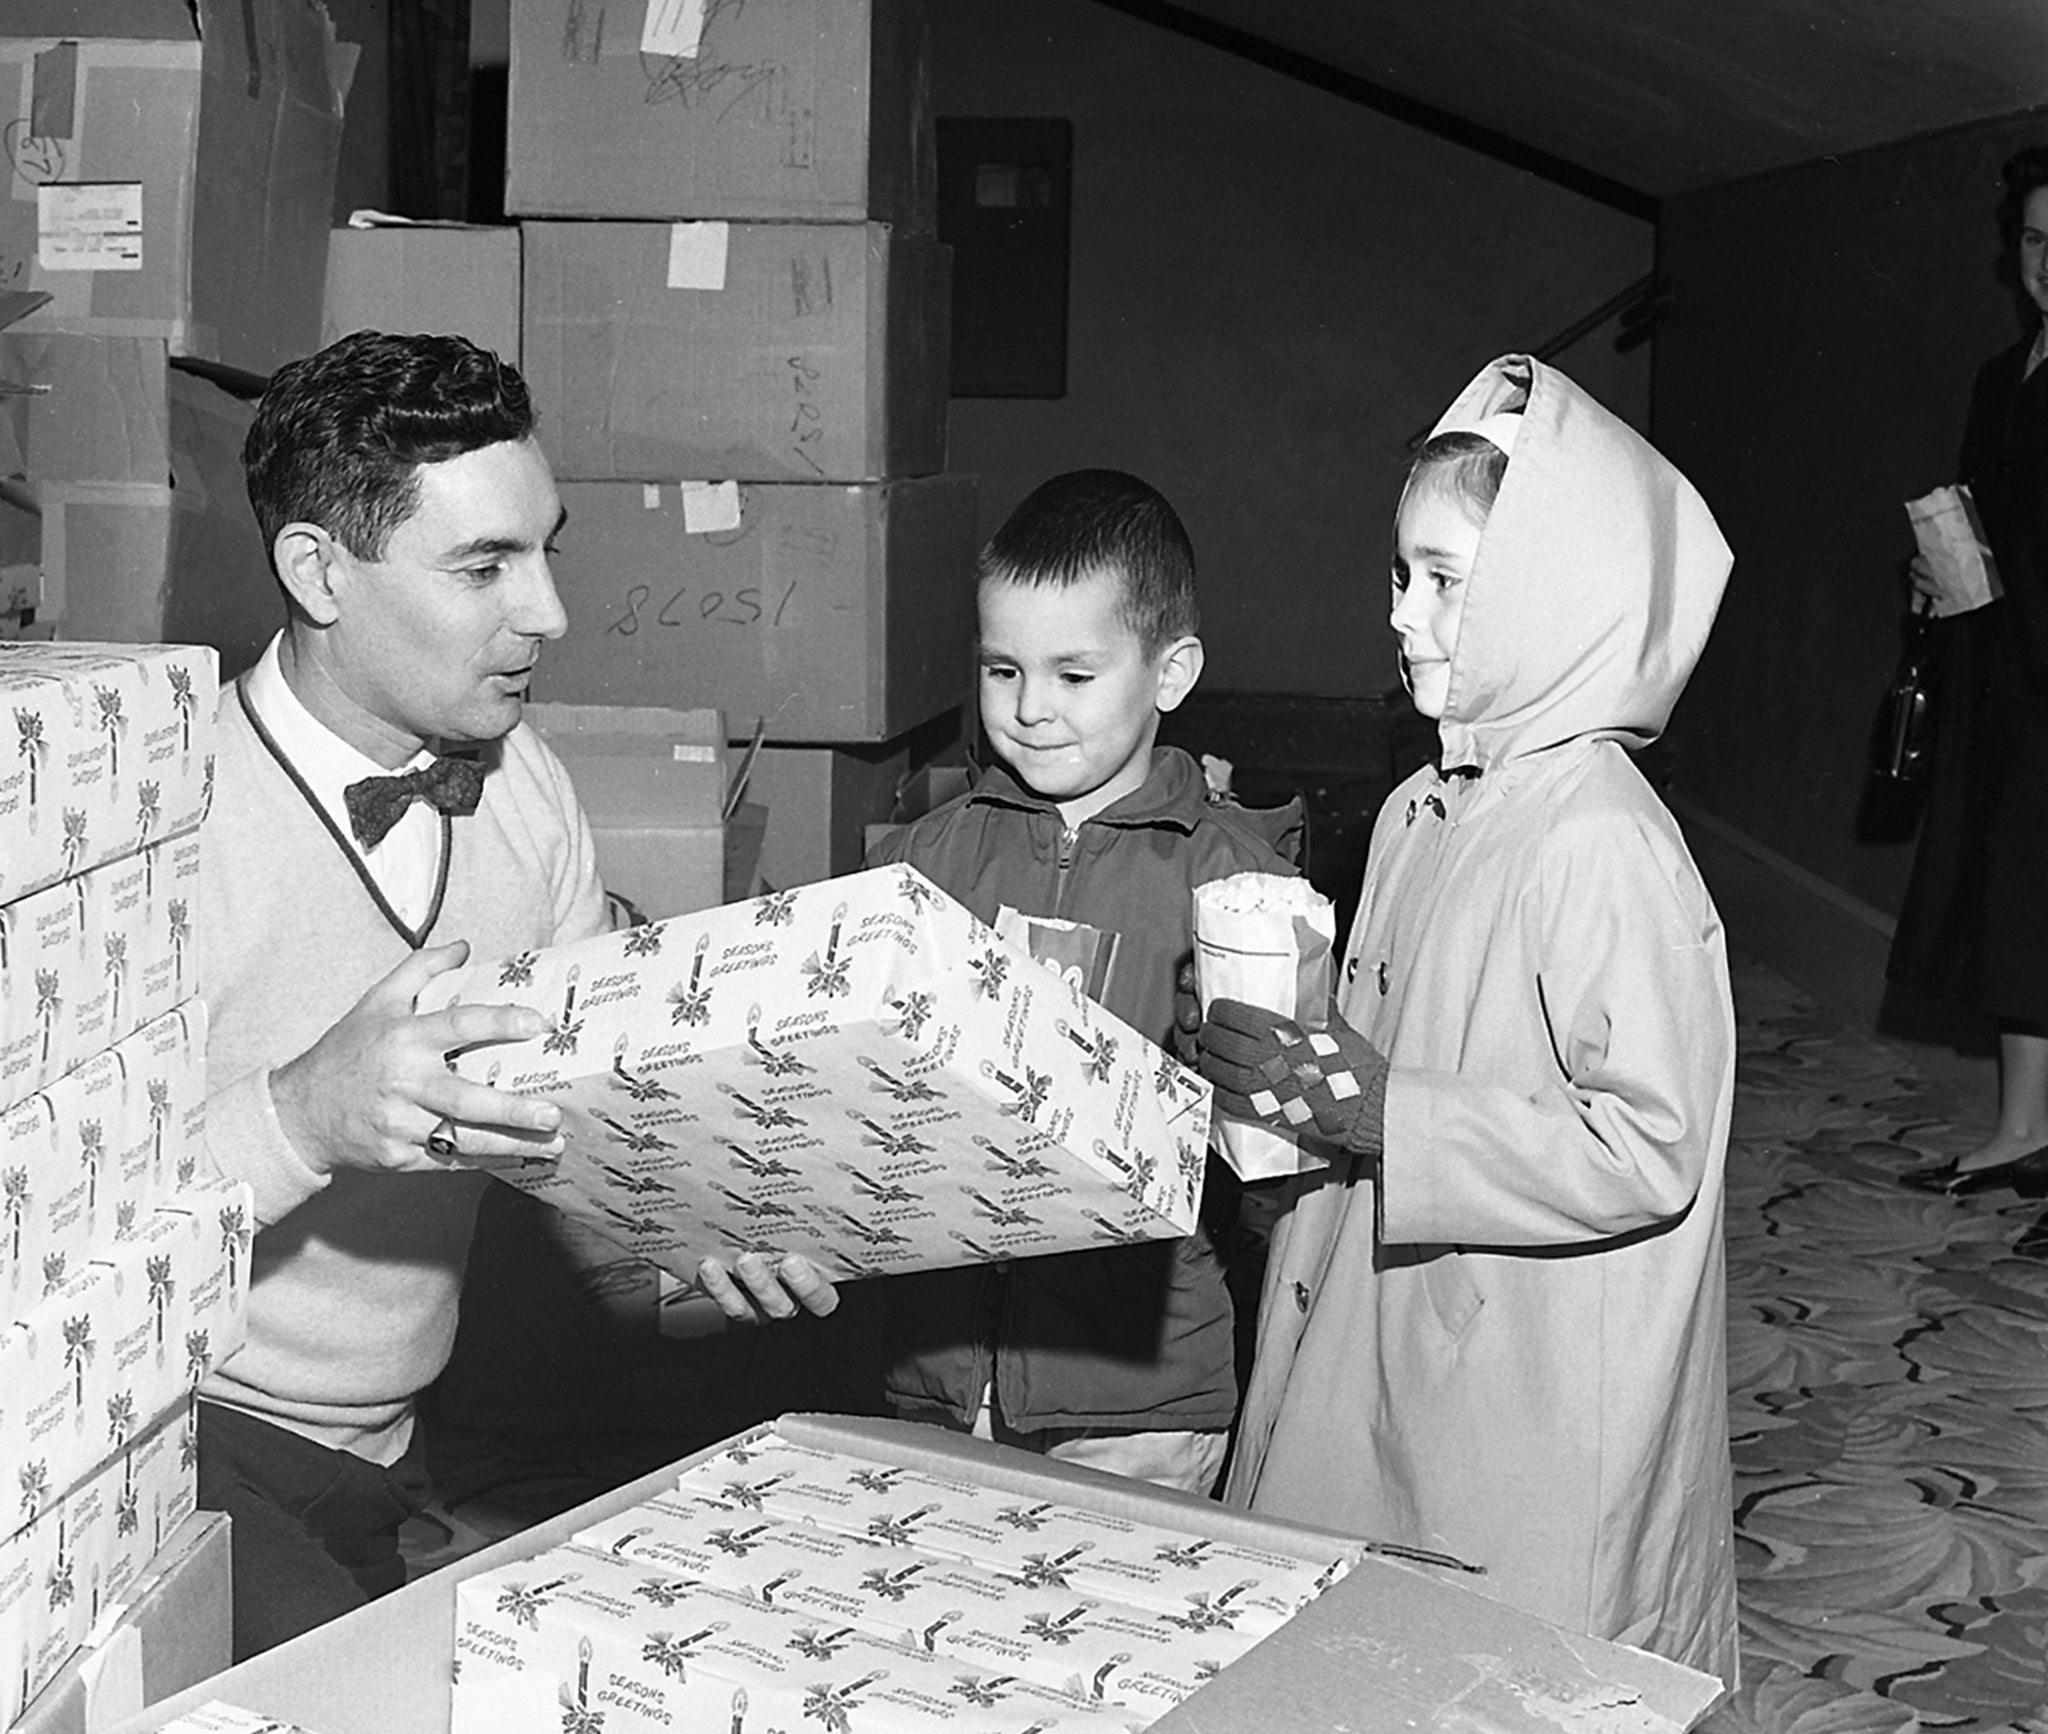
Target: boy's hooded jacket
(1506, 1339)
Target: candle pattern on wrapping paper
(827, 975)
(776, 1062)
(895, 1088)
(879, 1191)
(758, 1167)
(891, 1144)
(1098, 1053)
(692, 1001)
(1009, 1166)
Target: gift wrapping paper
(580, 1642)
(1030, 1622)
(120, 1344)
(1180, 1575)
(220, 1717)
(84, 1161)
(859, 1071)
(79, 1557)
(90, 960)
(103, 749)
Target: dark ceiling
(1634, 100)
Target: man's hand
(1328, 1083)
(767, 1288)
(375, 1087)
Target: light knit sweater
(356, 1276)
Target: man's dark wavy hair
(339, 436)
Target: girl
(1497, 1328)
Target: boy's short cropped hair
(1089, 521)
(339, 436)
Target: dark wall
(1811, 376)
(1271, 290)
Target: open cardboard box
(1391, 1647)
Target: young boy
(1499, 1329)
(1119, 1358)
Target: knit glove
(1331, 1082)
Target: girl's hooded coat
(1506, 1339)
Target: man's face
(436, 641)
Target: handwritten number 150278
(742, 607)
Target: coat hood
(1595, 584)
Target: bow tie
(377, 803)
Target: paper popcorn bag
(858, 1071)
(1265, 939)
(1948, 533)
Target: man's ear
(305, 557)
(1180, 666)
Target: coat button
(1383, 975)
(1301, 1296)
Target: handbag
(1902, 739)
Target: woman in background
(1975, 924)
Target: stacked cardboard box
(736, 325)
(172, 185)
(123, 1267)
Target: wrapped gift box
(84, 1162)
(88, 961)
(1032, 1623)
(859, 1071)
(1179, 1574)
(81, 1558)
(168, 1630)
(1391, 1648)
(581, 1639)
(107, 748)
(122, 1343)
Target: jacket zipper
(1063, 870)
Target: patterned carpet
(1888, 1363)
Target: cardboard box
(1393, 1647)
(122, 1343)
(88, 961)
(83, 1556)
(830, 614)
(790, 352)
(175, 172)
(858, 1071)
(84, 1162)
(458, 279)
(111, 749)
(169, 1630)
(808, 110)
(652, 783)
(818, 804)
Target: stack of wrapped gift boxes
(736, 327)
(123, 1264)
(170, 176)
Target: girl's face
(2034, 247)
(1435, 543)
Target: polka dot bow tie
(375, 804)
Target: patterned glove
(1331, 1083)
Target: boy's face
(1069, 699)
(1435, 543)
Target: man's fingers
(803, 1279)
(732, 1300)
(470, 1026)
(479, 1109)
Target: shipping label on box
(85, 1161)
(123, 1342)
(808, 110)
(103, 750)
(808, 352)
(1194, 1581)
(1091, 1648)
(831, 614)
(88, 961)
(859, 1071)
(584, 1640)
